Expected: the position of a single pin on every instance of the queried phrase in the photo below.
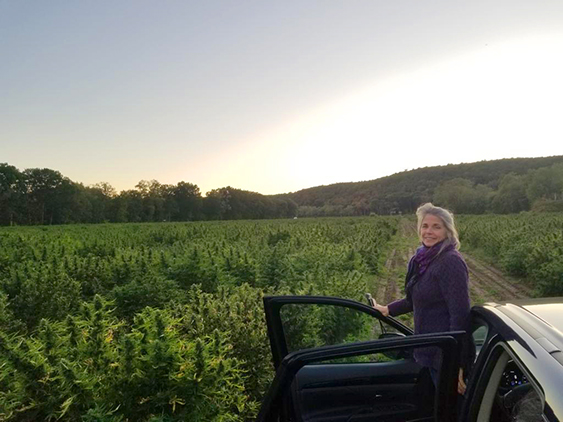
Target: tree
(462, 197)
(106, 189)
(130, 208)
(216, 204)
(12, 194)
(152, 200)
(100, 197)
(511, 195)
(50, 196)
(188, 201)
(170, 207)
(545, 183)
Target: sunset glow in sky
(275, 97)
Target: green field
(526, 245)
(164, 322)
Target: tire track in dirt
(382, 288)
(407, 228)
(388, 288)
(527, 291)
(476, 293)
(391, 289)
(490, 284)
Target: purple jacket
(439, 300)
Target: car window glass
(480, 331)
(313, 325)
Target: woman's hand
(461, 387)
(383, 309)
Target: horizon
(275, 98)
(203, 194)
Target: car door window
(313, 325)
(479, 332)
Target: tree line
(45, 196)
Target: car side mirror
(391, 335)
(395, 354)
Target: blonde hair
(452, 238)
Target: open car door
(341, 361)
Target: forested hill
(45, 196)
(503, 186)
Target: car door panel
(357, 373)
(355, 391)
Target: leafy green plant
(140, 322)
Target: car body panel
(532, 341)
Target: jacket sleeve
(400, 307)
(454, 284)
(453, 279)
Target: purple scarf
(425, 255)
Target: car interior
(510, 395)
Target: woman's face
(432, 230)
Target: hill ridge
(404, 191)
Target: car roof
(541, 318)
(549, 310)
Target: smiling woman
(437, 288)
(432, 230)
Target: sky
(276, 96)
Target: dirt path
(486, 283)
(485, 278)
(393, 276)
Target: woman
(436, 286)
